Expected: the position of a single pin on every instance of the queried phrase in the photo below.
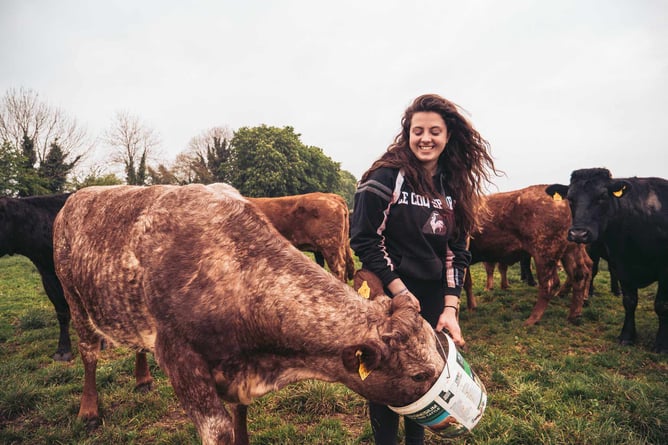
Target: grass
(553, 383)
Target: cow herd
(215, 286)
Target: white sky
(553, 85)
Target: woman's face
(428, 136)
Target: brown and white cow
(526, 222)
(198, 276)
(316, 222)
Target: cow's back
(190, 259)
(304, 219)
(637, 232)
(123, 250)
(521, 221)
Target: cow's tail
(350, 261)
(350, 264)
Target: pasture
(553, 383)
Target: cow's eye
(420, 377)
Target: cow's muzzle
(579, 235)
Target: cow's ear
(363, 358)
(619, 188)
(557, 191)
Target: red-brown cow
(526, 222)
(197, 275)
(315, 222)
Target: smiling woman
(414, 208)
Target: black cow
(26, 228)
(630, 218)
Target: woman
(413, 211)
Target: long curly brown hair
(466, 163)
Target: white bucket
(455, 403)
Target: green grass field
(554, 383)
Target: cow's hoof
(660, 349)
(62, 356)
(626, 342)
(577, 321)
(530, 321)
(92, 424)
(143, 388)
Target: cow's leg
(489, 270)
(89, 349)
(143, 378)
(503, 271)
(548, 282)
(614, 281)
(194, 386)
(577, 264)
(319, 258)
(336, 262)
(471, 303)
(54, 291)
(594, 271)
(661, 309)
(239, 414)
(630, 300)
(525, 271)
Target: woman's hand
(449, 321)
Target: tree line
(43, 151)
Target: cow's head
(591, 195)
(400, 366)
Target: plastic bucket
(456, 402)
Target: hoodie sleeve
(458, 258)
(373, 199)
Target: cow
(629, 216)
(231, 310)
(26, 226)
(315, 222)
(526, 222)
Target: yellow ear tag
(364, 373)
(619, 192)
(557, 196)
(364, 290)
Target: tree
(261, 171)
(24, 116)
(10, 168)
(271, 161)
(54, 170)
(95, 176)
(320, 173)
(347, 187)
(162, 175)
(133, 143)
(209, 156)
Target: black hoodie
(396, 232)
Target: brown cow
(315, 222)
(526, 222)
(197, 275)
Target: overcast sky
(552, 85)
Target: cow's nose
(578, 235)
